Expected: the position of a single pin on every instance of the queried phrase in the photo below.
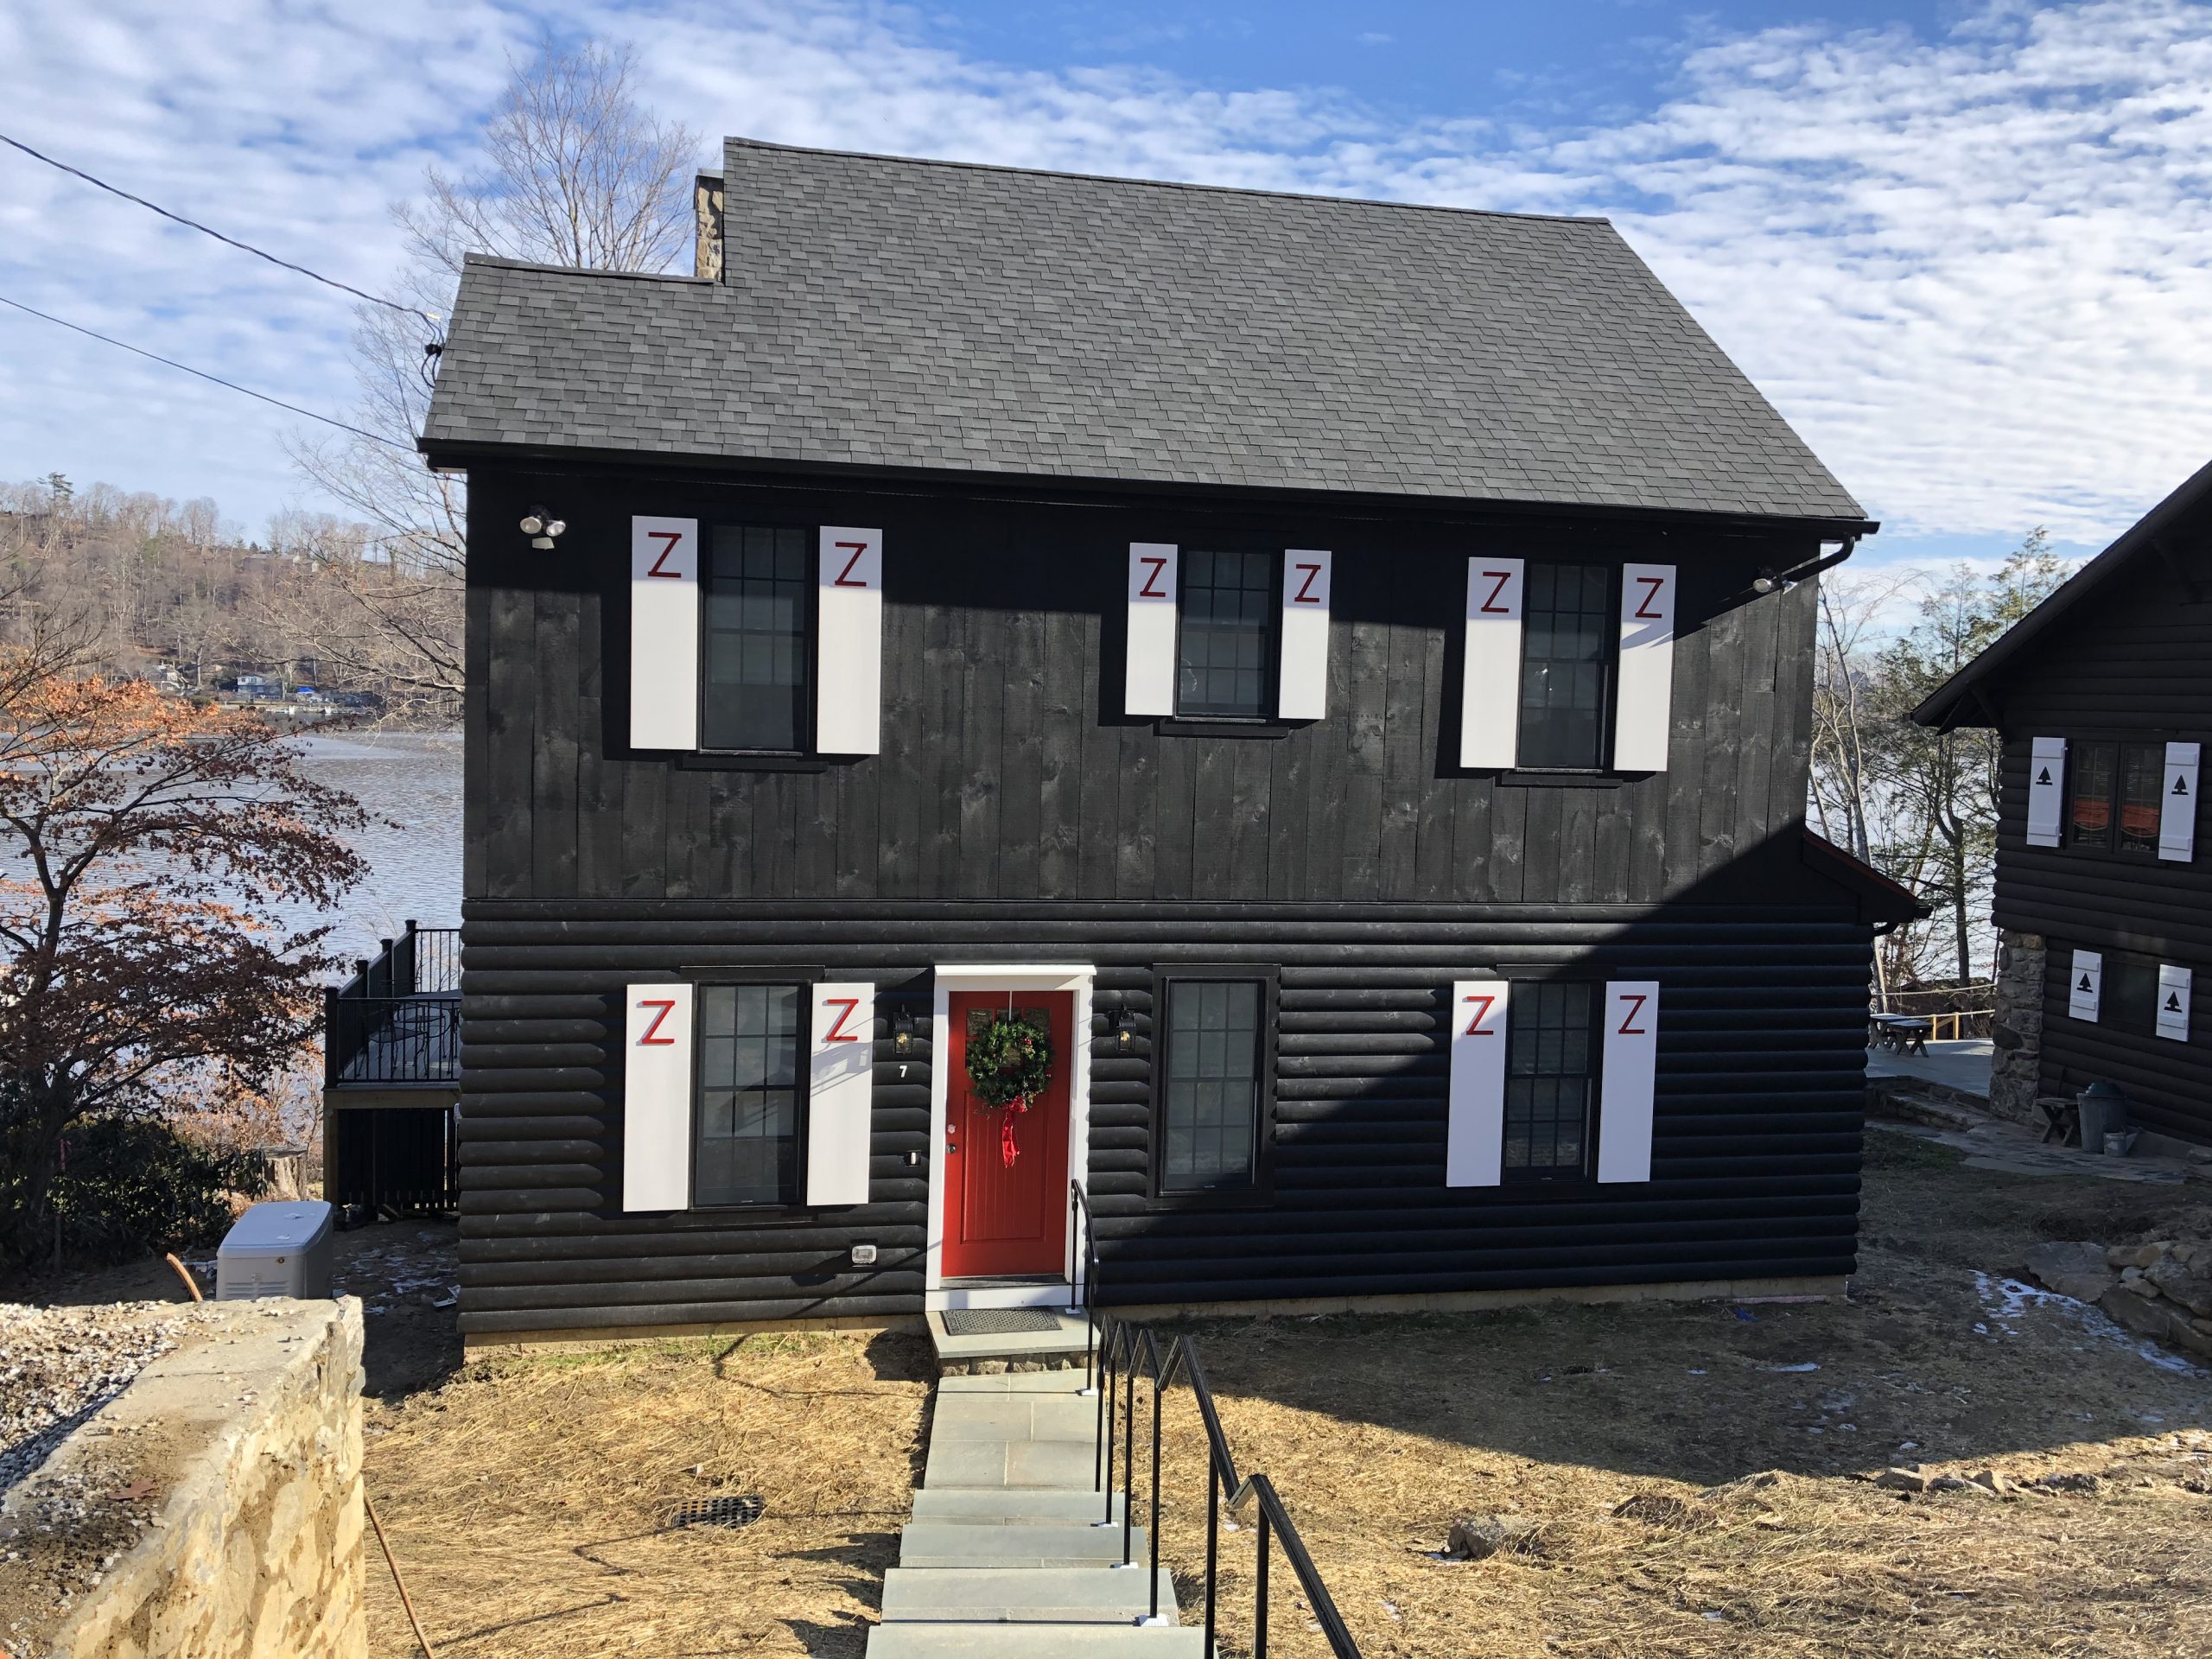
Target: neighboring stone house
(2103, 696)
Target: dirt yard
(1674, 1480)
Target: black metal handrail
(1122, 1352)
(398, 1020)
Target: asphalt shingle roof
(896, 313)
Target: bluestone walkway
(1008, 1553)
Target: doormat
(998, 1321)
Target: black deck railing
(1120, 1353)
(398, 1020)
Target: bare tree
(576, 172)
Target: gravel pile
(59, 1365)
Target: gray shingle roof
(897, 313)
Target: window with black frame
(1225, 633)
(1566, 654)
(746, 1147)
(2112, 797)
(758, 586)
(1549, 1076)
(1210, 1095)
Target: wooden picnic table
(1905, 1034)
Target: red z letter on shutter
(858, 548)
(1475, 1025)
(1305, 596)
(837, 1033)
(1158, 565)
(674, 539)
(1644, 606)
(666, 1008)
(1626, 1029)
(1491, 606)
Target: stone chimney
(707, 217)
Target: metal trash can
(2104, 1111)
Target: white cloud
(1972, 270)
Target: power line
(217, 379)
(194, 224)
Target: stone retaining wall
(2016, 1028)
(212, 1509)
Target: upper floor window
(1211, 1128)
(1225, 633)
(1549, 1079)
(756, 692)
(2115, 796)
(747, 1128)
(1566, 655)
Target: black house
(1339, 670)
(2103, 698)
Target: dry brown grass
(529, 1498)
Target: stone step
(967, 1542)
(1015, 1382)
(1050, 1595)
(965, 1641)
(1063, 1344)
(1010, 1507)
(1015, 1417)
(1064, 1465)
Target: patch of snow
(1801, 1365)
(2006, 1300)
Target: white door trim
(992, 976)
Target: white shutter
(656, 1098)
(1304, 693)
(664, 633)
(1630, 1080)
(1148, 675)
(1474, 1141)
(1489, 685)
(2178, 804)
(2173, 1001)
(2085, 986)
(848, 642)
(1643, 692)
(840, 1094)
(2046, 790)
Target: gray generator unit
(275, 1249)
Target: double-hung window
(2115, 796)
(1550, 1078)
(1225, 634)
(1565, 665)
(1214, 1088)
(758, 640)
(746, 1146)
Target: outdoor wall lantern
(1117, 1026)
(541, 527)
(902, 1031)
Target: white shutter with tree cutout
(2178, 804)
(1628, 1087)
(2085, 985)
(1303, 688)
(1474, 1141)
(2174, 980)
(657, 1096)
(1489, 682)
(664, 633)
(840, 1093)
(1148, 665)
(2046, 790)
(848, 642)
(1643, 695)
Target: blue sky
(1964, 248)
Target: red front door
(1001, 1217)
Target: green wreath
(1010, 1063)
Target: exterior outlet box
(863, 1255)
(275, 1249)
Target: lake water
(411, 780)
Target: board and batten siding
(1754, 1157)
(1008, 769)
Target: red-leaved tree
(150, 850)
